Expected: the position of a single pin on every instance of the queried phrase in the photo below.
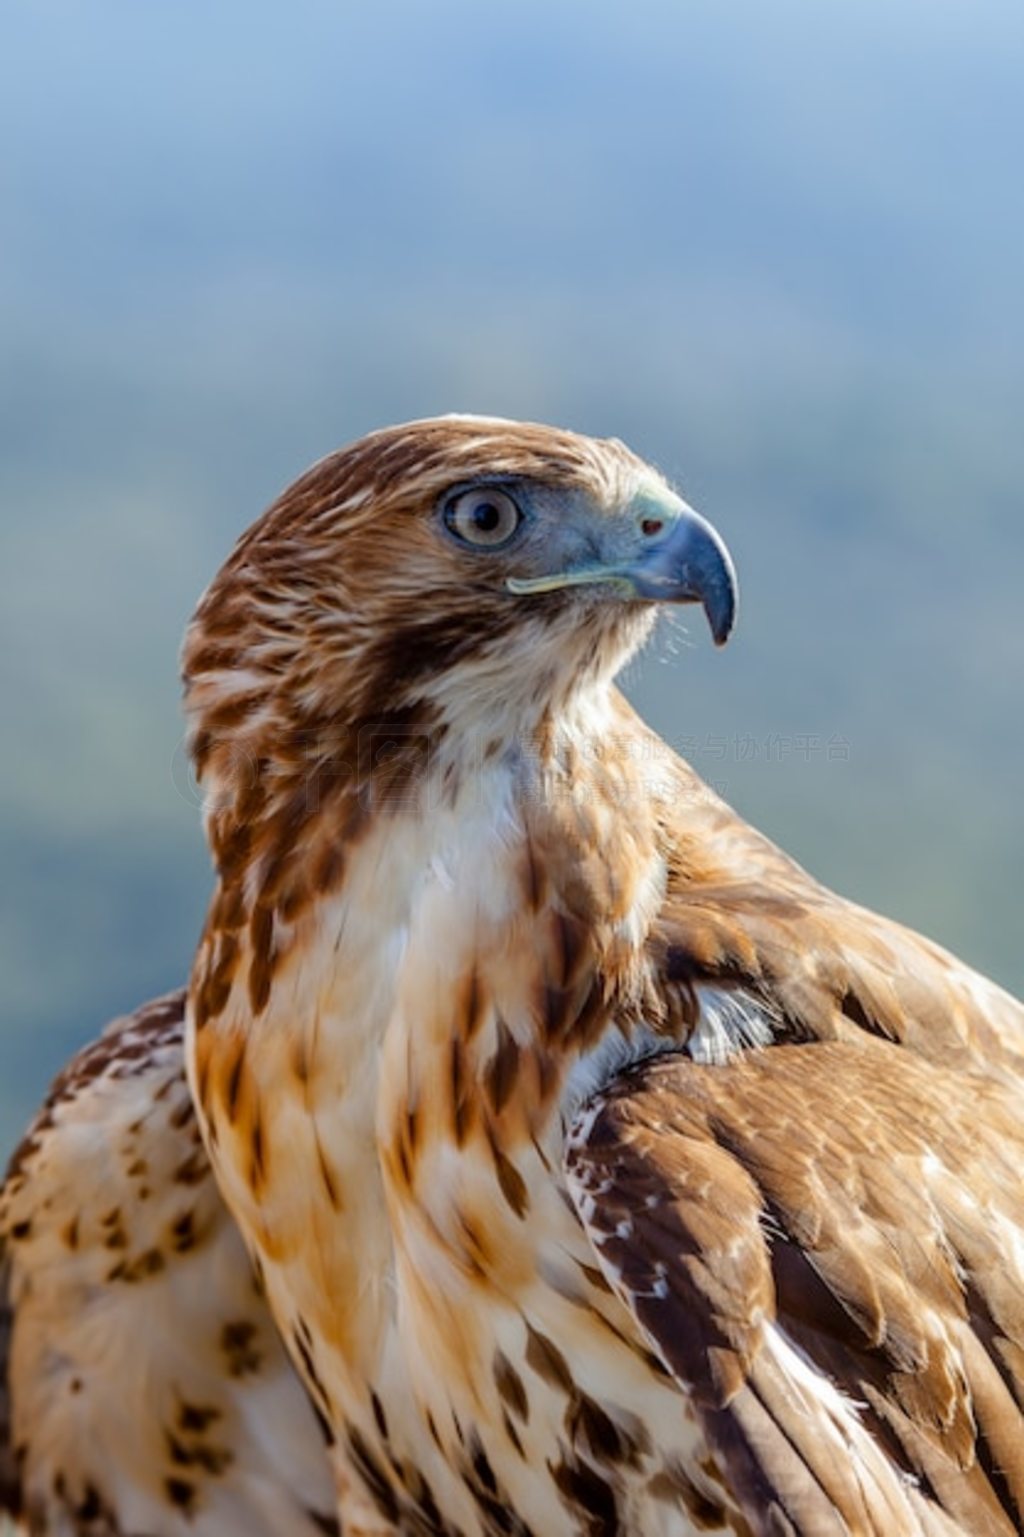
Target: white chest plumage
(420, 1250)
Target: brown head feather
(326, 661)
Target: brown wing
(825, 1243)
(740, 915)
(143, 1386)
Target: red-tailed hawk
(143, 1386)
(606, 1173)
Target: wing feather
(825, 1243)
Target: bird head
(440, 572)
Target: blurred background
(777, 248)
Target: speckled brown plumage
(788, 1205)
(144, 1386)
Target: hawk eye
(485, 516)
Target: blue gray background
(778, 248)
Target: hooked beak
(683, 561)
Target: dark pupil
(486, 517)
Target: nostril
(651, 526)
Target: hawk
(606, 1173)
(144, 1387)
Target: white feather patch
(729, 1023)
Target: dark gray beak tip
(695, 566)
(720, 602)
